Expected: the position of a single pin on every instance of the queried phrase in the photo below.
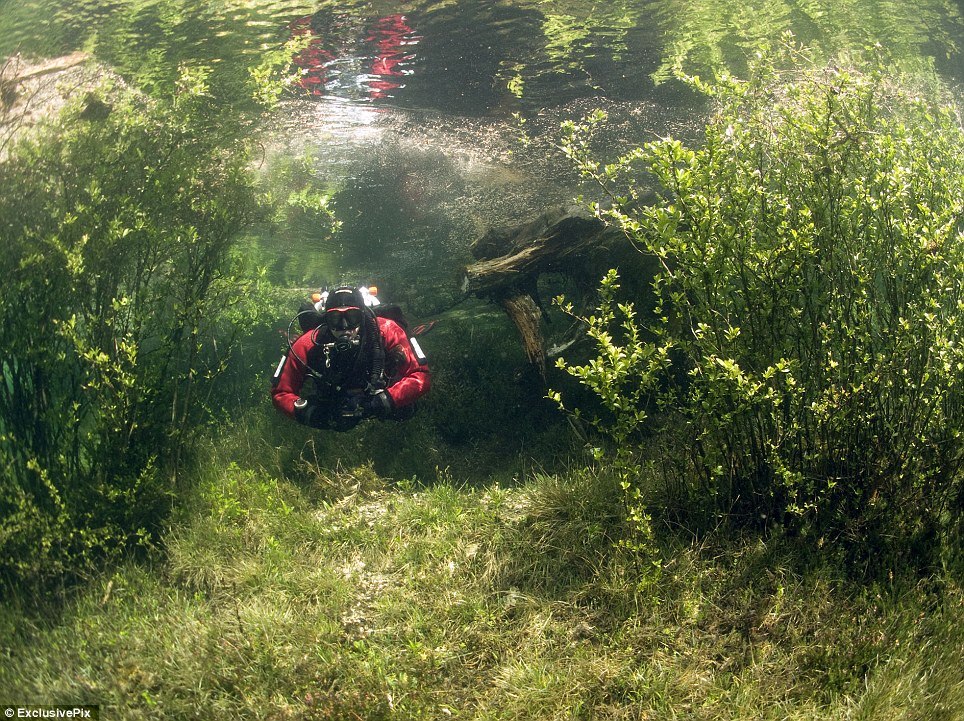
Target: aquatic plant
(810, 298)
(123, 301)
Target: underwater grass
(341, 595)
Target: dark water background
(407, 112)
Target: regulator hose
(377, 378)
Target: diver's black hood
(344, 297)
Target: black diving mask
(343, 319)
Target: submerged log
(31, 91)
(21, 80)
(527, 316)
(510, 257)
(509, 262)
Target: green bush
(810, 295)
(122, 298)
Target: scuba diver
(351, 363)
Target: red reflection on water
(389, 42)
(313, 60)
(391, 35)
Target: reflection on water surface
(472, 57)
(369, 62)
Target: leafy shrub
(122, 298)
(810, 294)
(625, 376)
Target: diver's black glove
(308, 413)
(379, 404)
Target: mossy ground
(338, 594)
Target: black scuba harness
(370, 345)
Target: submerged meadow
(342, 595)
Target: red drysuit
(406, 378)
